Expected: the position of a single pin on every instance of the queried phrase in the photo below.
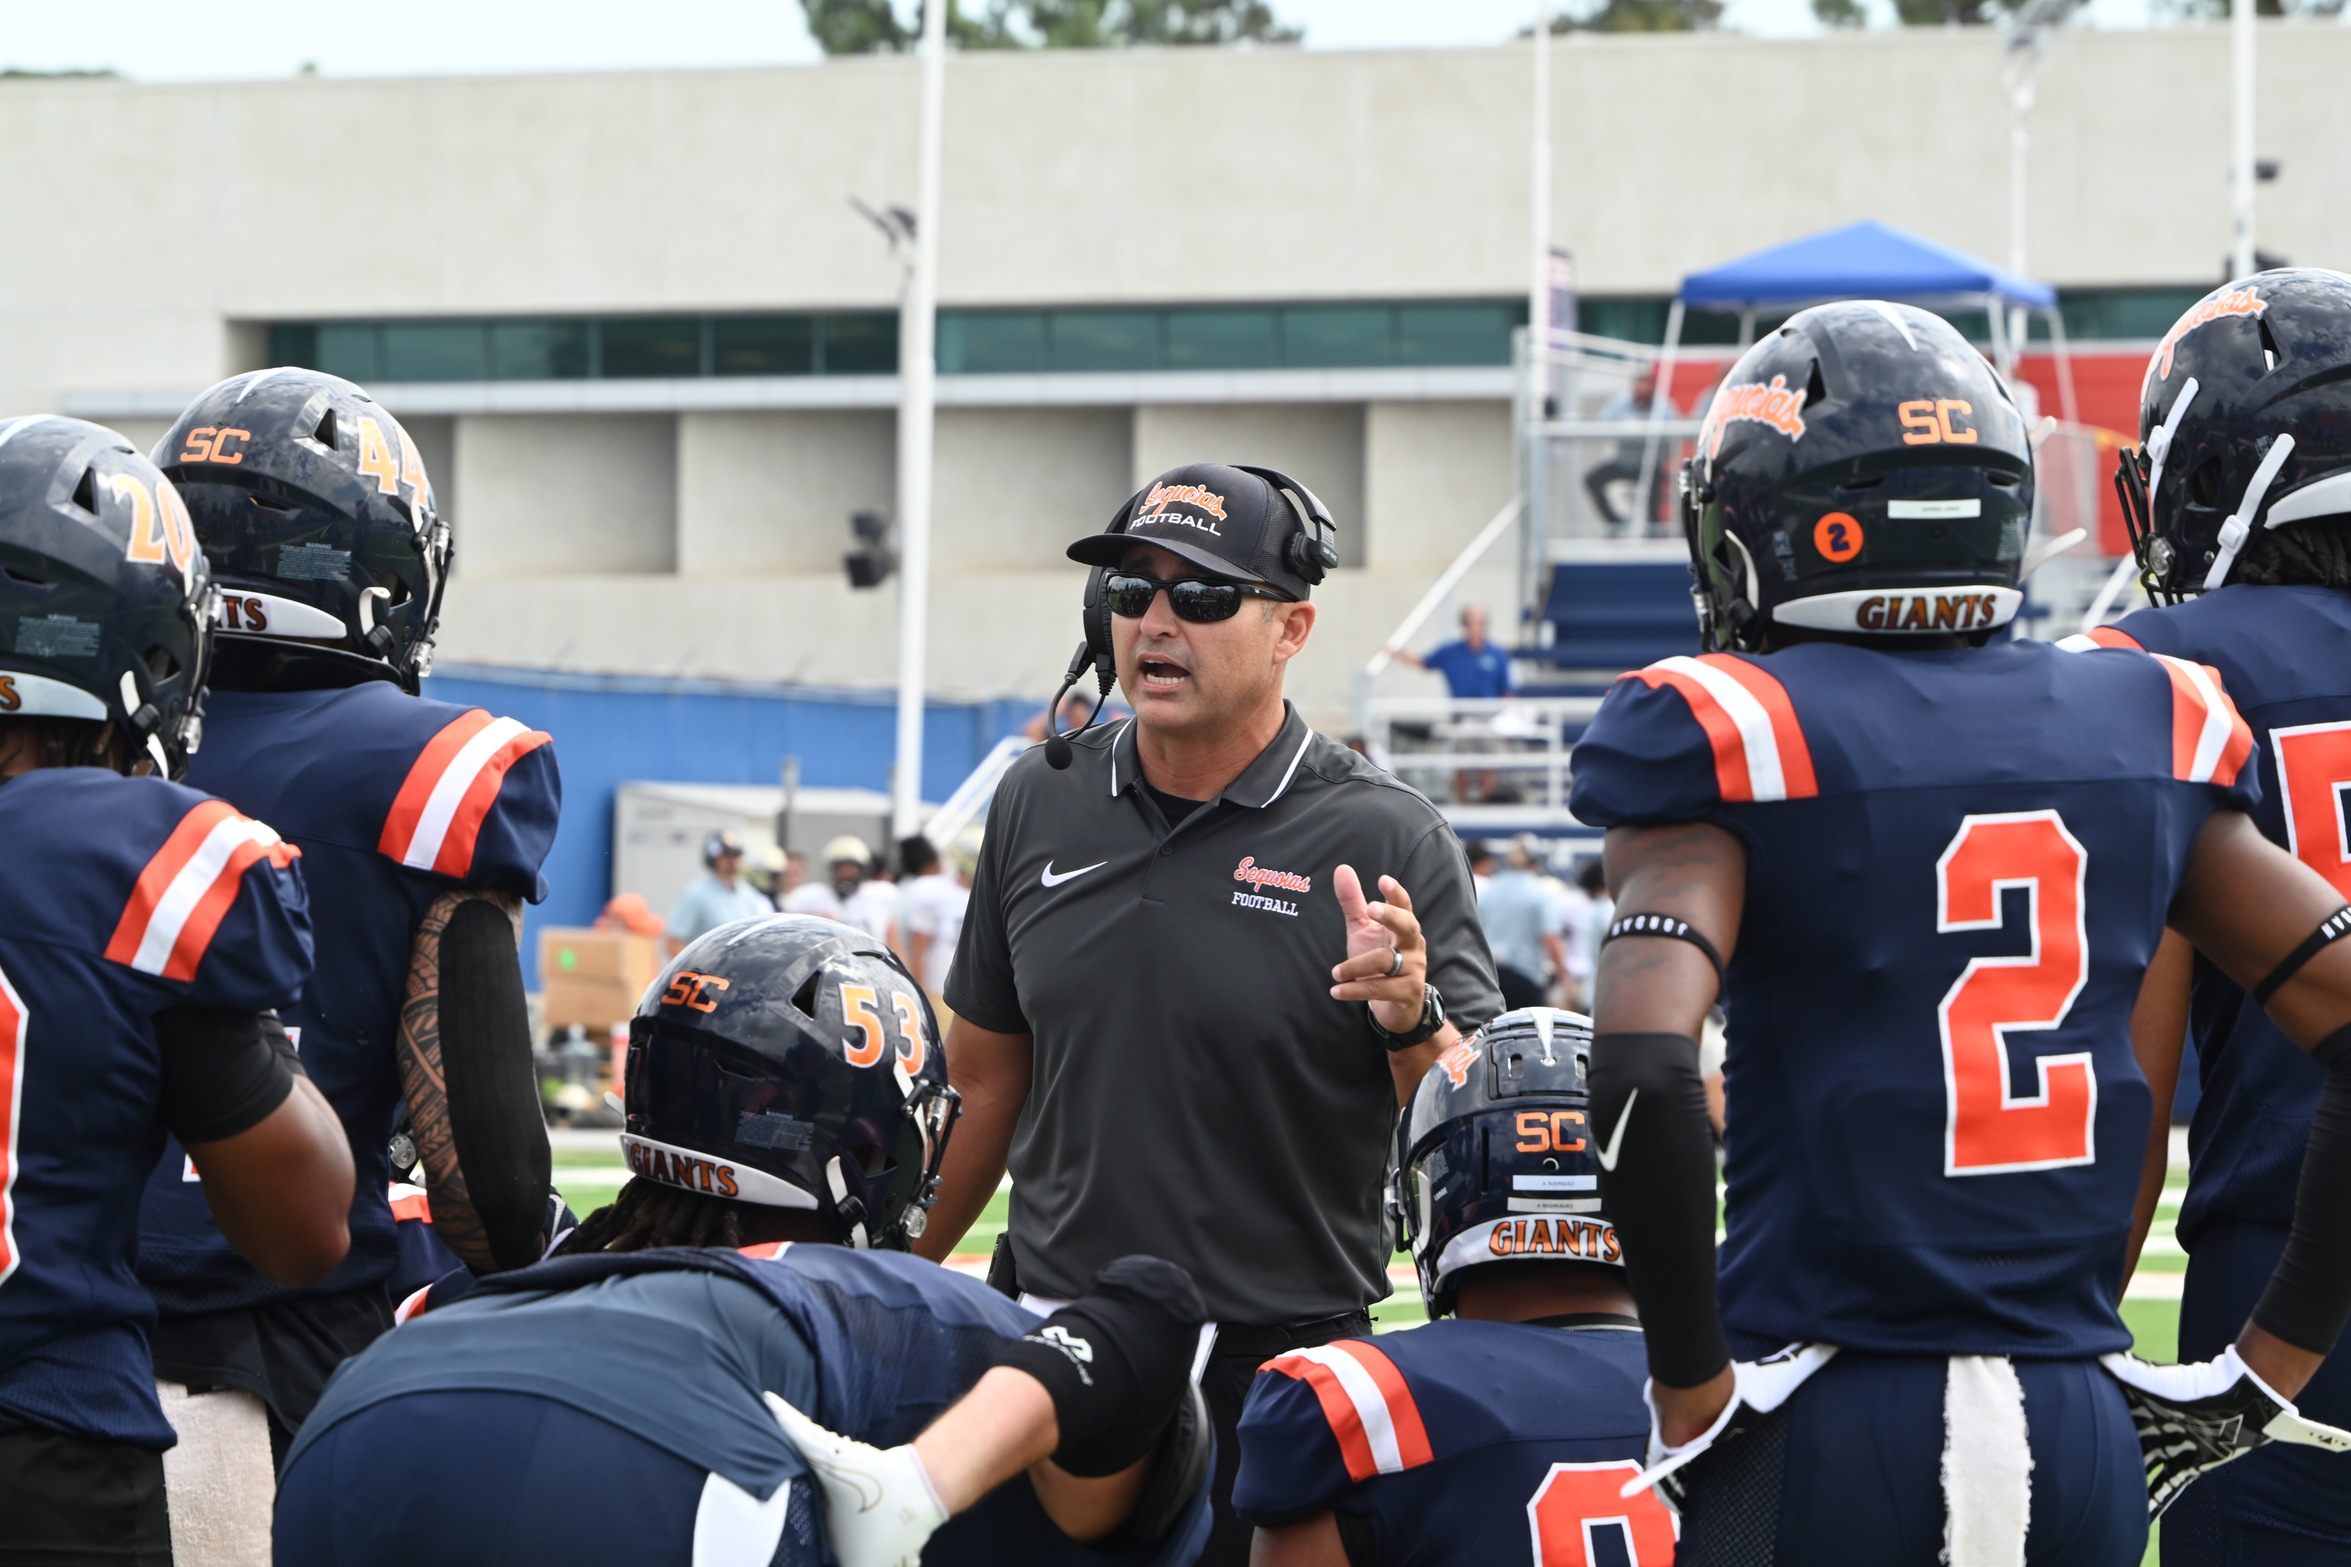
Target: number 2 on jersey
(2314, 766)
(1577, 1506)
(1991, 1128)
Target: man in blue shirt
(1516, 910)
(1472, 666)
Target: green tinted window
(435, 351)
(762, 345)
(1105, 339)
(538, 350)
(653, 346)
(349, 349)
(1220, 339)
(992, 342)
(1450, 334)
(293, 344)
(1322, 337)
(857, 345)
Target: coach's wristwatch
(1432, 1018)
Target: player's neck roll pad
(1117, 1362)
(1657, 1186)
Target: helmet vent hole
(26, 577)
(1815, 389)
(85, 494)
(804, 999)
(2269, 344)
(1871, 482)
(161, 664)
(325, 433)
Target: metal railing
(970, 800)
(1452, 748)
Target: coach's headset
(1310, 553)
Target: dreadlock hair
(2316, 553)
(648, 1214)
(69, 742)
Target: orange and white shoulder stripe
(2100, 637)
(409, 1202)
(1367, 1402)
(414, 1306)
(2209, 739)
(1759, 749)
(186, 889)
(449, 791)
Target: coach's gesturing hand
(1387, 961)
(1387, 969)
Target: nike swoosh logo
(1053, 879)
(1616, 1138)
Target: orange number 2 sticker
(1992, 1128)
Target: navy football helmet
(315, 510)
(790, 1061)
(1862, 470)
(2244, 423)
(105, 602)
(1494, 1156)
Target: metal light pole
(1534, 543)
(2241, 262)
(2021, 69)
(917, 372)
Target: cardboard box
(594, 976)
(595, 1003)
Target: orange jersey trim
(1759, 749)
(437, 817)
(1367, 1403)
(186, 890)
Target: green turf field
(588, 1171)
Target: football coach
(1206, 958)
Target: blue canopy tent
(1866, 260)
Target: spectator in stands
(630, 912)
(854, 895)
(1592, 877)
(1625, 466)
(1523, 932)
(1481, 865)
(794, 873)
(931, 905)
(1472, 666)
(1571, 909)
(718, 896)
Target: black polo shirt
(1197, 1094)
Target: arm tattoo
(426, 1088)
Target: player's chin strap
(851, 1210)
(2159, 443)
(2239, 527)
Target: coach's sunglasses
(1201, 600)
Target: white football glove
(1759, 1387)
(2196, 1417)
(879, 1506)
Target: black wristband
(1656, 1151)
(2309, 1293)
(2331, 930)
(496, 1124)
(1117, 1362)
(1669, 926)
(224, 1071)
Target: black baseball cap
(1226, 520)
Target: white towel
(1987, 1464)
(219, 1481)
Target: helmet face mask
(315, 510)
(1860, 471)
(2244, 425)
(105, 600)
(790, 1062)
(1494, 1156)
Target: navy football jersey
(1462, 1442)
(1959, 863)
(124, 896)
(2280, 649)
(894, 1340)
(393, 800)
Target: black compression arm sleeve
(224, 1071)
(2309, 1296)
(1657, 1185)
(494, 1116)
(1116, 1361)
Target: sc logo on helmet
(1928, 421)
